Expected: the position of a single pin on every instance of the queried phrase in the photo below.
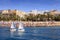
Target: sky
(28, 5)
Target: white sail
(20, 28)
(12, 27)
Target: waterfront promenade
(31, 24)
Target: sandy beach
(30, 23)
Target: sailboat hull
(21, 30)
(12, 30)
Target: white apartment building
(36, 12)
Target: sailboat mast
(20, 19)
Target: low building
(0, 11)
(20, 13)
(35, 12)
(10, 12)
(54, 12)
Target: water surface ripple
(31, 33)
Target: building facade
(10, 12)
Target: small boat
(12, 27)
(21, 28)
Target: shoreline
(31, 24)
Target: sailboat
(21, 28)
(12, 27)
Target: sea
(31, 33)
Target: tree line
(29, 17)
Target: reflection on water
(21, 33)
(16, 34)
(31, 33)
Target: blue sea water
(31, 33)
